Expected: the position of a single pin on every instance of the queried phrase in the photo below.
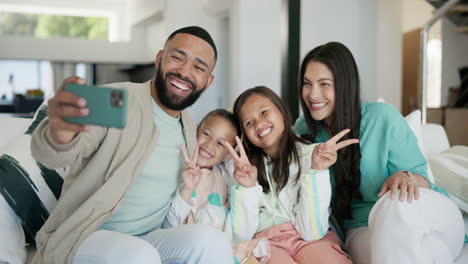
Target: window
(16, 77)
(50, 26)
(434, 73)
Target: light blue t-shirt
(388, 145)
(150, 196)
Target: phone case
(107, 106)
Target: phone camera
(116, 99)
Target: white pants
(185, 244)
(429, 230)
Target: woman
(410, 223)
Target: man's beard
(171, 100)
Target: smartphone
(107, 106)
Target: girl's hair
(347, 114)
(288, 151)
(223, 113)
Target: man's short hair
(197, 32)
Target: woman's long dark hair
(347, 114)
(288, 151)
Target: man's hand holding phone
(65, 104)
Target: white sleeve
(244, 211)
(178, 211)
(311, 213)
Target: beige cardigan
(103, 163)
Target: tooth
(266, 131)
(318, 104)
(205, 154)
(180, 86)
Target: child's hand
(191, 174)
(325, 154)
(244, 172)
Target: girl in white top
(284, 185)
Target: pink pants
(287, 247)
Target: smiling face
(263, 123)
(318, 91)
(184, 70)
(211, 135)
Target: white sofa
(433, 141)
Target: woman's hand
(325, 154)
(408, 186)
(244, 172)
(191, 174)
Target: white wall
(143, 10)
(370, 29)
(454, 56)
(345, 22)
(255, 45)
(414, 14)
(389, 52)
(155, 36)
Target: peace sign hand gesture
(244, 172)
(325, 154)
(191, 174)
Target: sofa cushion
(40, 114)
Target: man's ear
(210, 80)
(158, 58)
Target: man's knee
(104, 247)
(142, 252)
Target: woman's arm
(403, 154)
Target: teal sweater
(388, 145)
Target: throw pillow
(41, 113)
(31, 189)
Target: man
(120, 182)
